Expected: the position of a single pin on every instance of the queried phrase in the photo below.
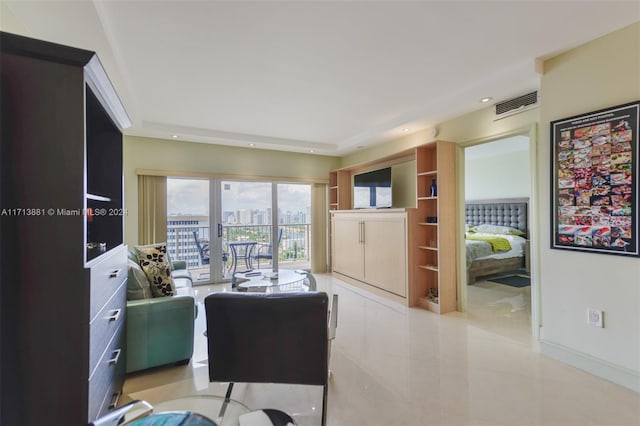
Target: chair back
(268, 337)
(204, 253)
(270, 247)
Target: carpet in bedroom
(512, 280)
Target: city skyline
(191, 196)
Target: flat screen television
(372, 190)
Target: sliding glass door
(219, 227)
(247, 216)
(294, 222)
(188, 225)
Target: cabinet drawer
(105, 324)
(106, 277)
(108, 376)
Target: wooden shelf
(426, 303)
(429, 267)
(434, 245)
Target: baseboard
(371, 288)
(600, 368)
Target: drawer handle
(115, 273)
(115, 315)
(116, 356)
(114, 400)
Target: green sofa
(160, 330)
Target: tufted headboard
(508, 212)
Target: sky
(191, 196)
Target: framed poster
(594, 185)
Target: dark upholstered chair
(269, 338)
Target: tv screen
(372, 190)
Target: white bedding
(478, 250)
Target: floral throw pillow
(154, 262)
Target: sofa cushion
(181, 273)
(131, 254)
(137, 282)
(182, 282)
(153, 260)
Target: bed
(488, 224)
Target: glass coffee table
(205, 405)
(265, 281)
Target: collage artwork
(595, 180)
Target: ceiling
(331, 77)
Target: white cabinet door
(347, 250)
(385, 252)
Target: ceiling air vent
(516, 105)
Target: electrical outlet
(594, 317)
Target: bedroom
(497, 188)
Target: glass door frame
(217, 266)
(216, 272)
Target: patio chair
(203, 249)
(265, 251)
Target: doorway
(499, 300)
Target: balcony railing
(294, 246)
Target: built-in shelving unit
(340, 190)
(431, 240)
(339, 198)
(432, 267)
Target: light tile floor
(398, 366)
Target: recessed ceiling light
(311, 151)
(252, 144)
(174, 136)
(406, 129)
(485, 100)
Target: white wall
(499, 176)
(600, 74)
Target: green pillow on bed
(497, 229)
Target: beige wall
(600, 74)
(476, 126)
(403, 185)
(188, 158)
(500, 176)
(9, 23)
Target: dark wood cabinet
(62, 257)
